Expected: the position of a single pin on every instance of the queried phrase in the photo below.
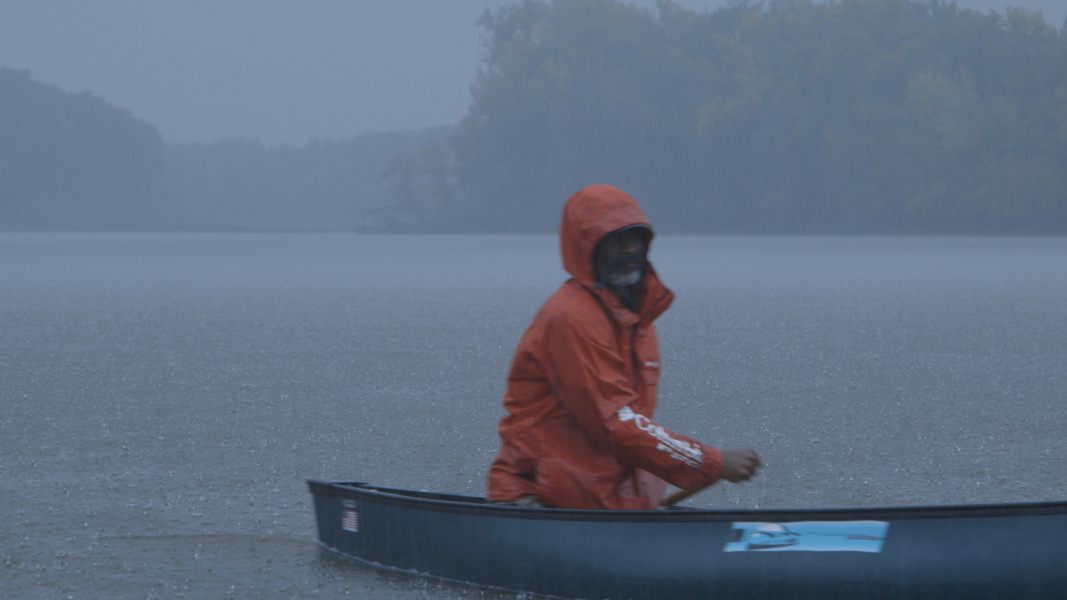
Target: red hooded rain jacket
(582, 386)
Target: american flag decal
(350, 521)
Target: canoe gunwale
(454, 503)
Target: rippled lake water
(163, 398)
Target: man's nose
(631, 246)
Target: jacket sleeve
(593, 381)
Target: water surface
(163, 398)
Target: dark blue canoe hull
(976, 551)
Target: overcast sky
(281, 71)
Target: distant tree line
(789, 116)
(855, 116)
(73, 162)
(326, 184)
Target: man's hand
(739, 465)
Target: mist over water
(163, 398)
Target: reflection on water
(166, 396)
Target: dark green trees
(71, 161)
(854, 116)
(787, 116)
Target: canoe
(970, 551)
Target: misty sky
(284, 72)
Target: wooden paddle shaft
(676, 497)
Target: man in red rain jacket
(582, 385)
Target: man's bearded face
(620, 257)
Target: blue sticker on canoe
(811, 536)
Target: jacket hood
(590, 214)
